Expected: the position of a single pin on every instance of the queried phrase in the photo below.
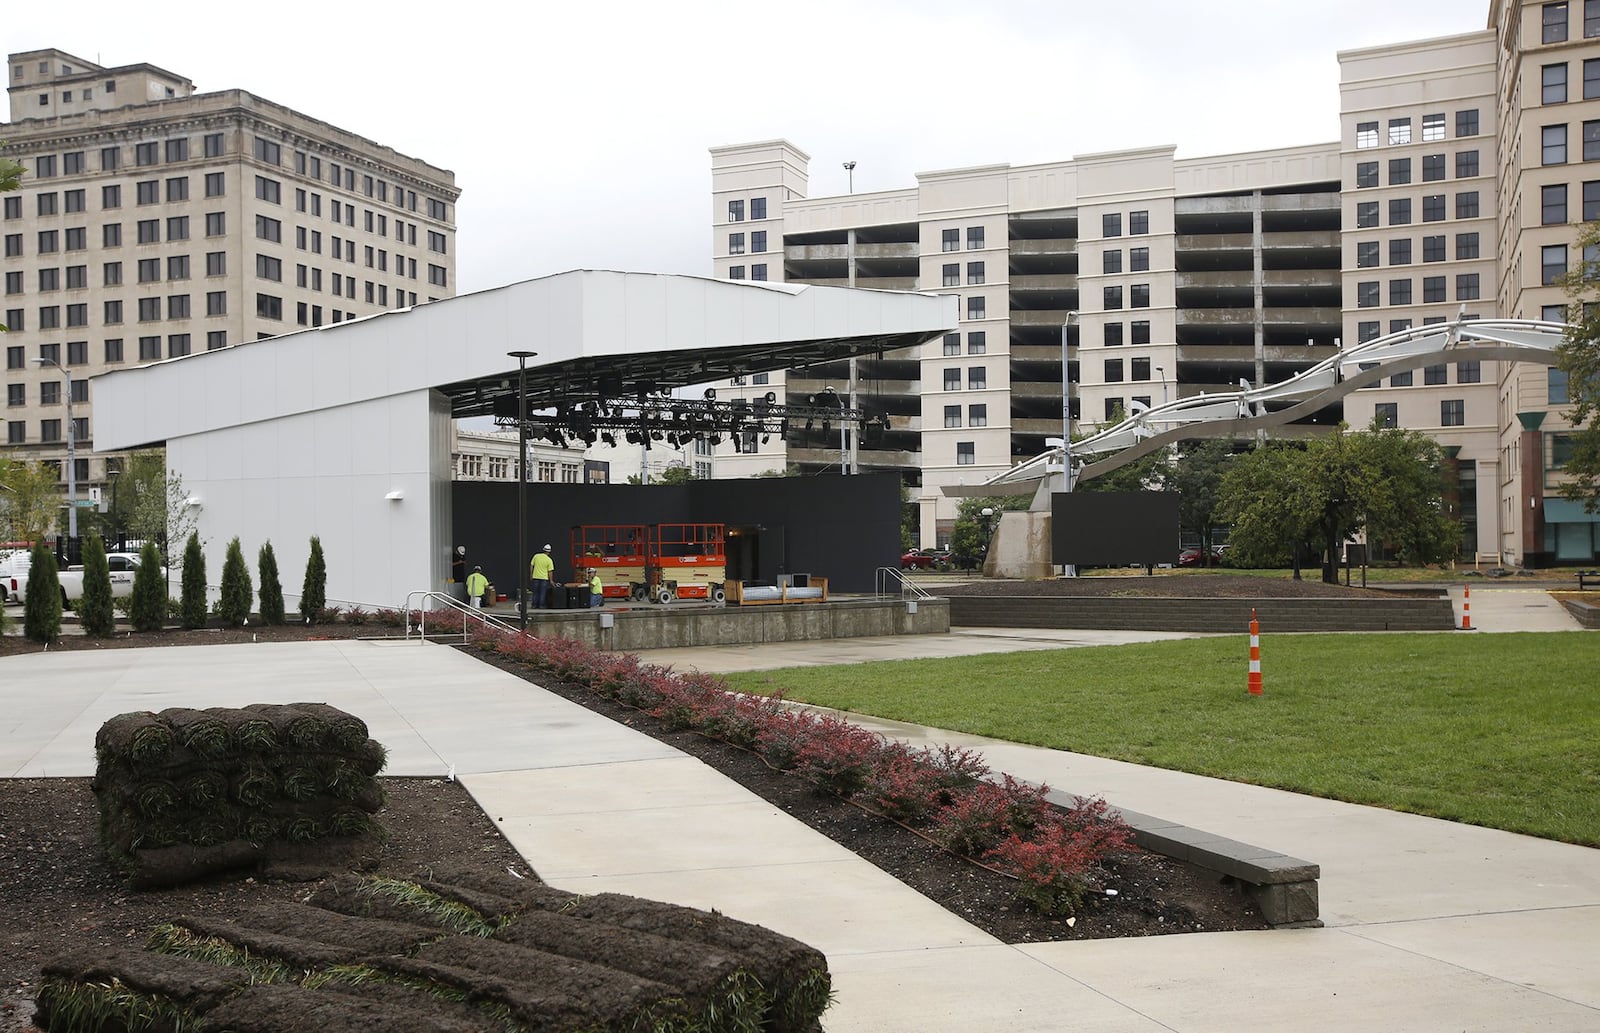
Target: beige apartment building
(1455, 187)
(154, 221)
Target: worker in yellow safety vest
(539, 572)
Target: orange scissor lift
(618, 551)
(686, 561)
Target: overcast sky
(578, 132)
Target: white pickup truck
(123, 565)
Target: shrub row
(946, 794)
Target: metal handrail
(907, 586)
(452, 602)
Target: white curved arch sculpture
(1240, 414)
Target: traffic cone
(1253, 683)
(1466, 608)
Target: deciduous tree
(1386, 482)
(1579, 358)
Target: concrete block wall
(1201, 615)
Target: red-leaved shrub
(838, 755)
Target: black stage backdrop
(840, 528)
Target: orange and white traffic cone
(1466, 608)
(1253, 682)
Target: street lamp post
(1162, 373)
(112, 475)
(522, 358)
(72, 453)
(1067, 569)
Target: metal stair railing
(908, 589)
(451, 602)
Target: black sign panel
(1114, 528)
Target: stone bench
(1283, 887)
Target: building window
(1112, 333)
(1399, 171)
(46, 203)
(950, 240)
(178, 227)
(952, 274)
(1366, 135)
(1141, 331)
(1400, 251)
(974, 238)
(1111, 224)
(269, 229)
(1366, 173)
(178, 267)
(269, 190)
(269, 307)
(736, 243)
(966, 453)
(952, 379)
(1552, 263)
(1138, 259)
(1466, 245)
(1553, 204)
(1591, 18)
(219, 338)
(1467, 204)
(1433, 208)
(952, 344)
(1111, 261)
(1591, 78)
(1555, 23)
(758, 208)
(758, 241)
(216, 263)
(1433, 248)
(1432, 289)
(113, 349)
(977, 378)
(1367, 330)
(1466, 164)
(177, 344)
(1399, 292)
(1366, 214)
(1469, 371)
(1367, 253)
(1553, 145)
(1467, 287)
(952, 416)
(1452, 412)
(271, 154)
(1139, 295)
(735, 272)
(1386, 414)
(1139, 368)
(1438, 374)
(1432, 167)
(1553, 84)
(1112, 297)
(1432, 127)
(975, 308)
(1367, 294)
(1399, 211)
(977, 342)
(1113, 371)
(736, 211)
(1399, 131)
(149, 310)
(269, 268)
(216, 185)
(977, 415)
(1556, 386)
(216, 303)
(1401, 379)
(1591, 140)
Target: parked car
(918, 559)
(1196, 557)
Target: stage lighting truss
(679, 421)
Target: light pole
(1163, 375)
(522, 358)
(1067, 569)
(111, 475)
(72, 453)
(850, 170)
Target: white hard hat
(547, 548)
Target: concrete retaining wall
(666, 627)
(1588, 614)
(1145, 613)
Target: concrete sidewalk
(1434, 926)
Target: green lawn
(1497, 730)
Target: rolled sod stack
(288, 789)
